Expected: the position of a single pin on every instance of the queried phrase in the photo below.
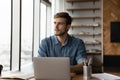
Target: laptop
(51, 68)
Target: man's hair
(64, 15)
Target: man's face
(60, 26)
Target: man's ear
(68, 27)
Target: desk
(80, 77)
(101, 76)
(110, 76)
(76, 77)
(27, 71)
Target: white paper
(105, 76)
(17, 75)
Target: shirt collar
(55, 40)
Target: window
(26, 31)
(20, 33)
(43, 22)
(5, 33)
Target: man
(62, 44)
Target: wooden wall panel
(111, 12)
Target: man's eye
(54, 22)
(61, 23)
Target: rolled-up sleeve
(81, 52)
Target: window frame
(16, 10)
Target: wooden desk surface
(80, 77)
(76, 77)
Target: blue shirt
(73, 48)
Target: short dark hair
(64, 15)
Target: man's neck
(62, 39)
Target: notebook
(51, 68)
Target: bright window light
(5, 33)
(43, 20)
(27, 31)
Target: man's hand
(77, 68)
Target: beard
(59, 33)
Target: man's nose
(56, 25)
